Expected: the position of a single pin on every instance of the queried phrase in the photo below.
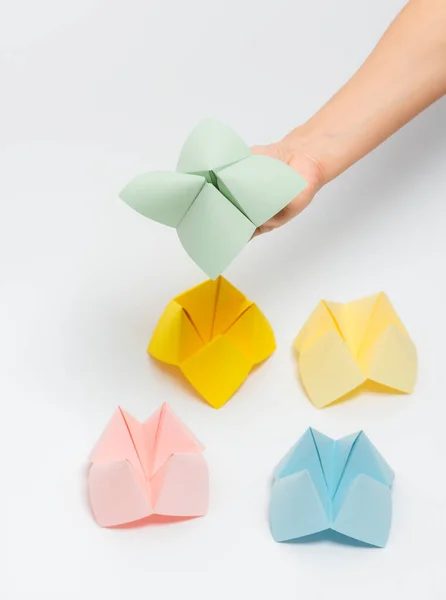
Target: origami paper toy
(342, 346)
(342, 485)
(215, 335)
(143, 469)
(218, 196)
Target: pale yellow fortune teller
(343, 346)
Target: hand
(405, 73)
(293, 151)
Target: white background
(92, 92)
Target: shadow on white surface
(331, 537)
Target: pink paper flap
(117, 495)
(116, 443)
(140, 442)
(172, 437)
(180, 488)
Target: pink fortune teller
(143, 469)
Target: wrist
(316, 147)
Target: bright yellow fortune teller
(343, 346)
(215, 335)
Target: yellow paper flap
(199, 303)
(319, 323)
(383, 315)
(328, 370)
(230, 305)
(217, 371)
(392, 360)
(353, 319)
(175, 338)
(253, 335)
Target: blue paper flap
(304, 456)
(325, 447)
(342, 450)
(366, 512)
(296, 509)
(363, 459)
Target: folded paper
(215, 335)
(143, 469)
(323, 484)
(218, 196)
(342, 346)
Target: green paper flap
(211, 145)
(163, 196)
(260, 186)
(214, 231)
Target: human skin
(405, 73)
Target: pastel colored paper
(144, 469)
(215, 335)
(218, 196)
(343, 346)
(342, 486)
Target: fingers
(303, 165)
(274, 223)
(265, 228)
(282, 217)
(268, 150)
(285, 215)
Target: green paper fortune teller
(217, 197)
